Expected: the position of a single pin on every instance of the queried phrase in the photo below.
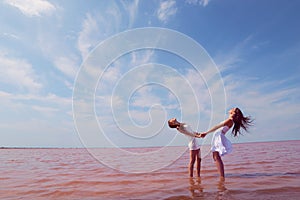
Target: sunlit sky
(255, 45)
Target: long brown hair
(240, 121)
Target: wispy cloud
(268, 101)
(269, 108)
(68, 66)
(9, 36)
(141, 58)
(132, 9)
(32, 7)
(38, 99)
(145, 98)
(24, 109)
(166, 10)
(97, 27)
(26, 117)
(86, 39)
(198, 2)
(54, 46)
(18, 73)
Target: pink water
(253, 171)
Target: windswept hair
(240, 121)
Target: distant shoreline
(123, 147)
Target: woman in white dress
(220, 145)
(194, 145)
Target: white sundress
(193, 141)
(220, 143)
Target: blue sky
(255, 46)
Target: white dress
(187, 130)
(220, 143)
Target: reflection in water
(222, 190)
(196, 188)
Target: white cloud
(48, 100)
(32, 7)
(198, 2)
(18, 73)
(55, 48)
(45, 109)
(96, 27)
(132, 9)
(139, 58)
(36, 120)
(144, 97)
(9, 36)
(67, 66)
(34, 106)
(271, 103)
(166, 10)
(85, 40)
(123, 67)
(274, 111)
(111, 76)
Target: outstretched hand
(202, 135)
(198, 135)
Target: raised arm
(216, 127)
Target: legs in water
(198, 162)
(219, 164)
(194, 157)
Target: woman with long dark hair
(220, 145)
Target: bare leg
(192, 161)
(198, 162)
(219, 164)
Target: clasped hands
(201, 135)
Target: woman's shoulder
(228, 122)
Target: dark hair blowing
(240, 121)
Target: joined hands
(201, 135)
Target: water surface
(269, 170)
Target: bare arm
(214, 128)
(187, 132)
(193, 134)
(217, 127)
